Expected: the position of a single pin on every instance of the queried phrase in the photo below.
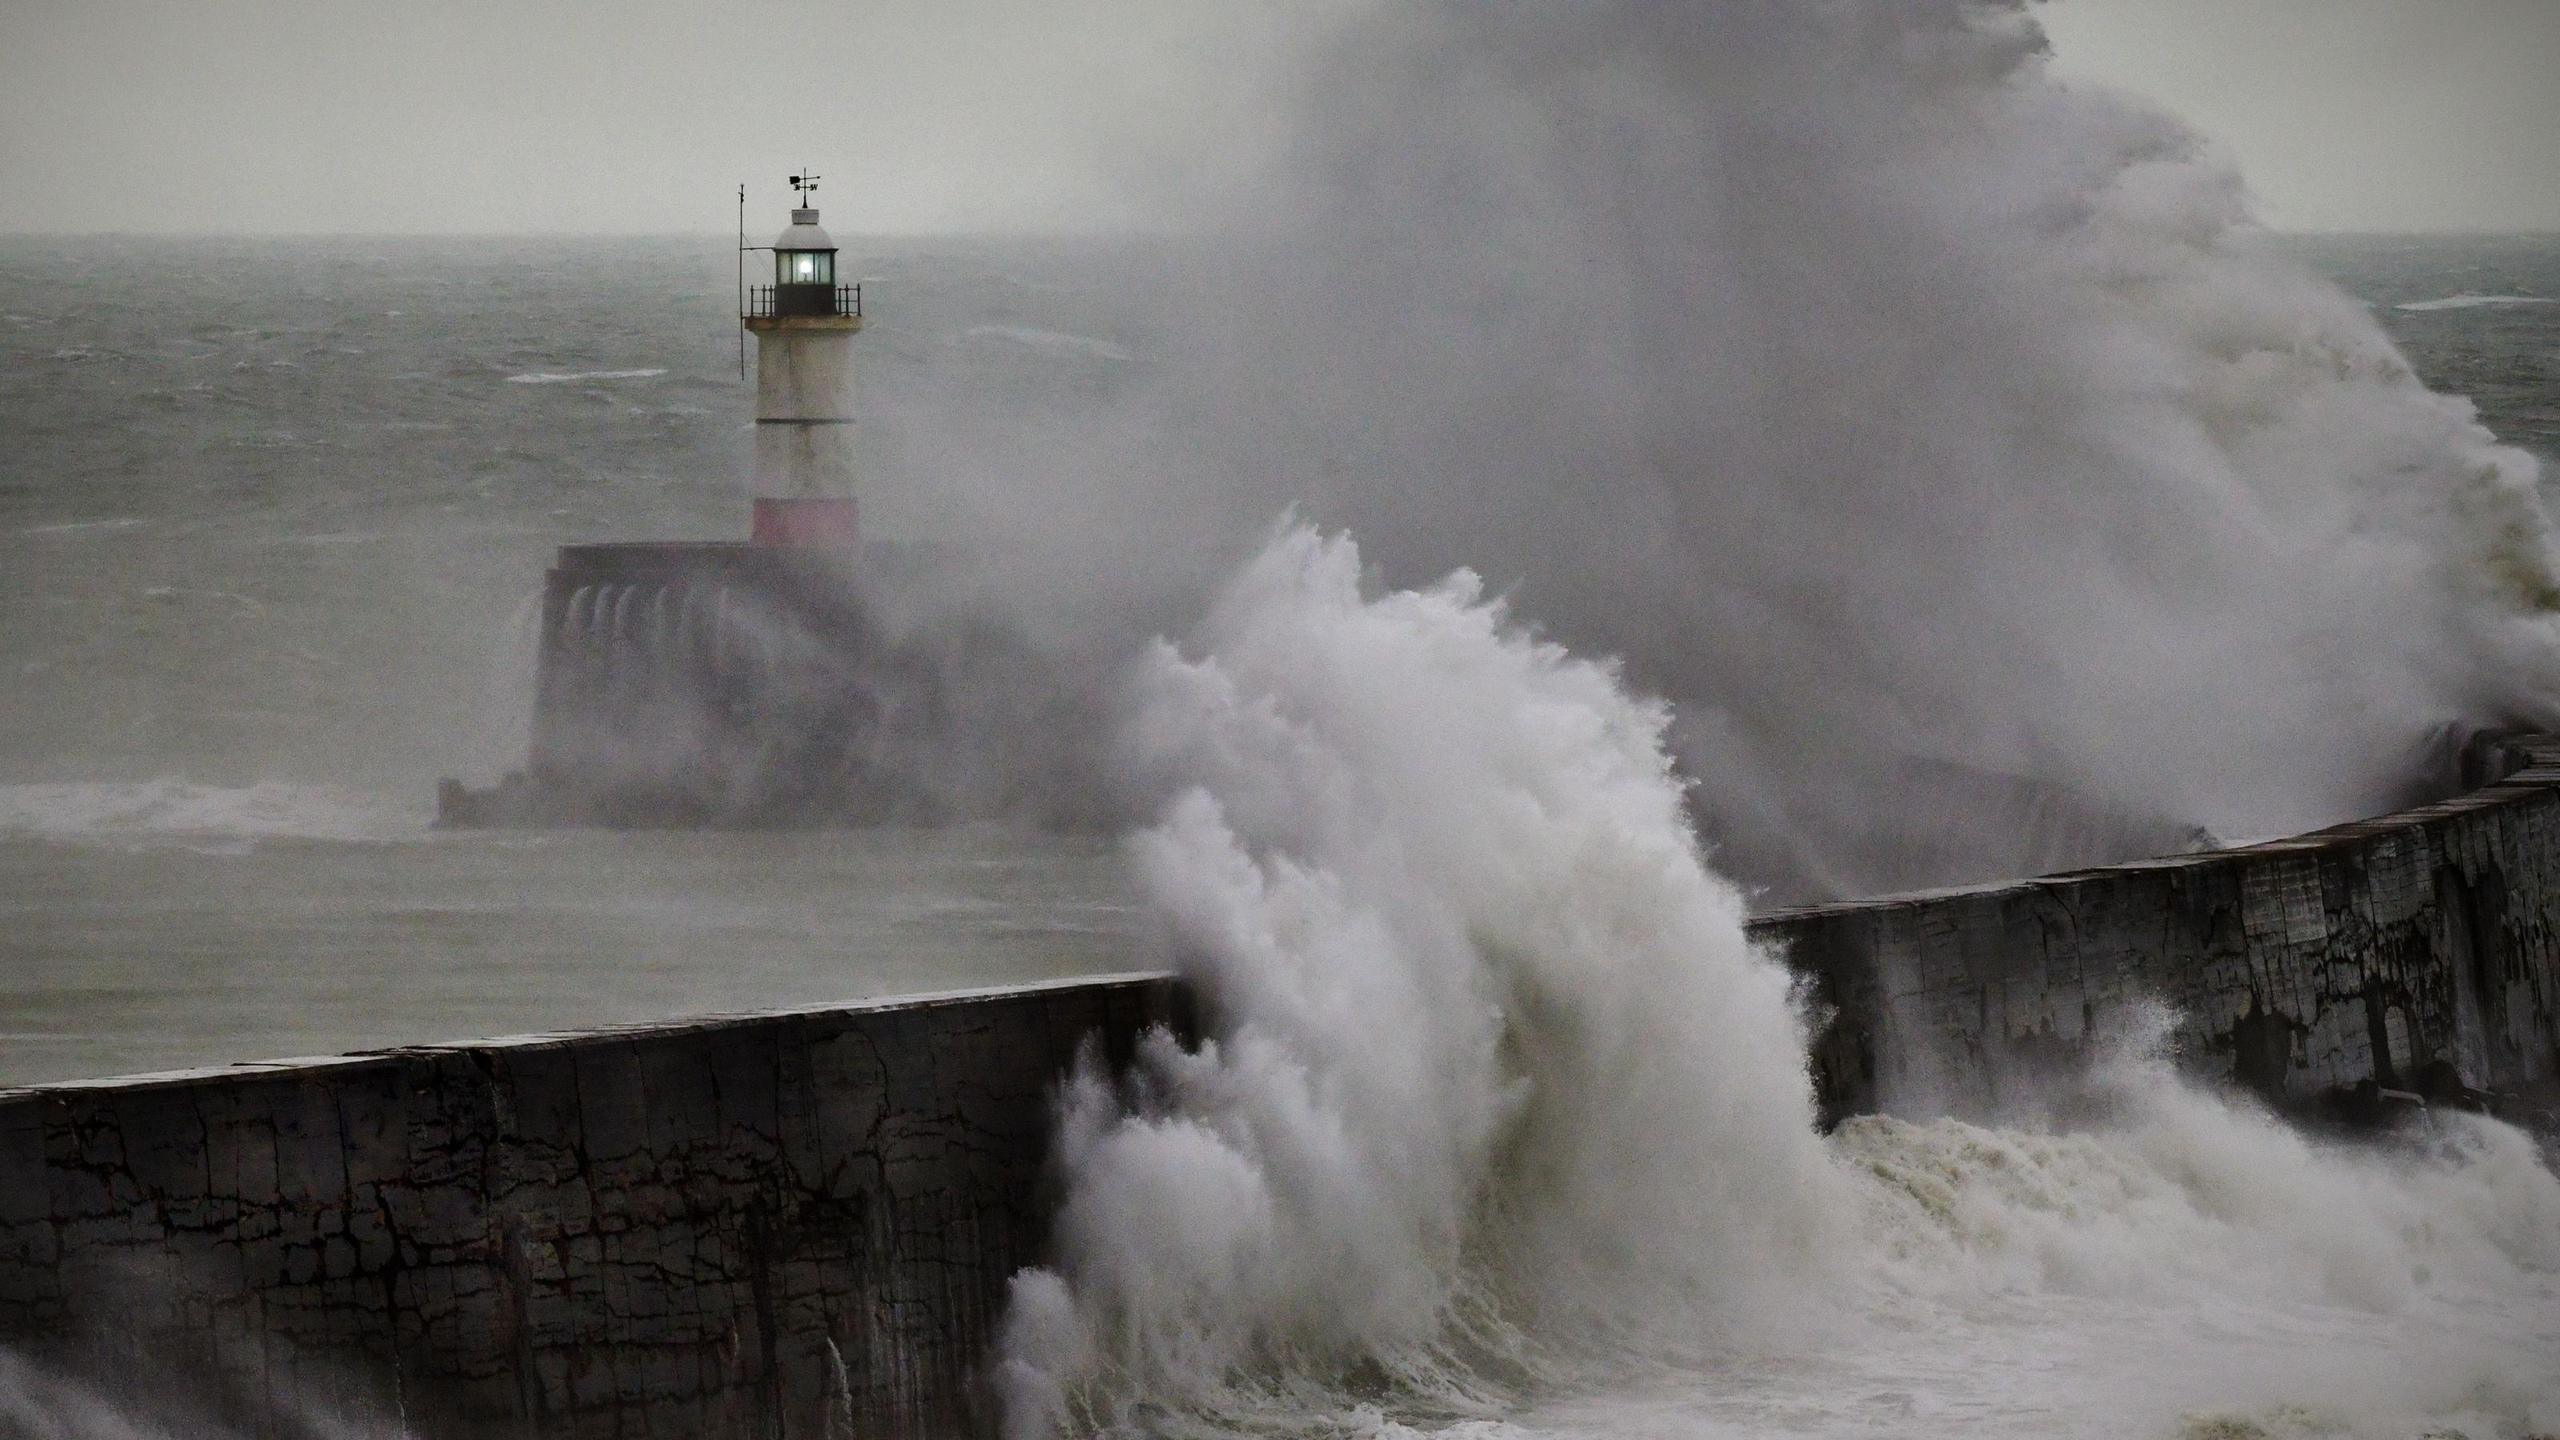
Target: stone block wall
(790, 1224)
(2415, 952)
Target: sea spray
(1895, 408)
(1498, 1117)
(1488, 1055)
(2158, 1186)
(2176, 1261)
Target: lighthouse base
(713, 684)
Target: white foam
(177, 811)
(84, 527)
(2470, 301)
(2177, 1194)
(2188, 1265)
(564, 377)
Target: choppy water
(2478, 316)
(271, 517)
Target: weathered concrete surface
(2416, 952)
(792, 1224)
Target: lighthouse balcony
(791, 302)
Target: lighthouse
(725, 682)
(804, 324)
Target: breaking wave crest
(2470, 301)
(569, 377)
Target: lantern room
(805, 255)
(804, 268)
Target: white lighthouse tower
(804, 324)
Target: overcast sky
(622, 115)
(2350, 114)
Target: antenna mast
(742, 279)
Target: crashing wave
(1892, 408)
(1499, 1120)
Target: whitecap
(2469, 301)
(564, 377)
(181, 812)
(74, 527)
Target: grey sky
(2350, 114)
(619, 115)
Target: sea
(273, 517)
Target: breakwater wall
(800, 1224)
(787, 1224)
(2417, 953)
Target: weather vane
(807, 185)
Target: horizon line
(1031, 233)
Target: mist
(1944, 442)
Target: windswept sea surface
(272, 515)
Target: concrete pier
(2411, 956)
(788, 1224)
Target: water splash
(1491, 1060)
(1501, 1124)
(1893, 408)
